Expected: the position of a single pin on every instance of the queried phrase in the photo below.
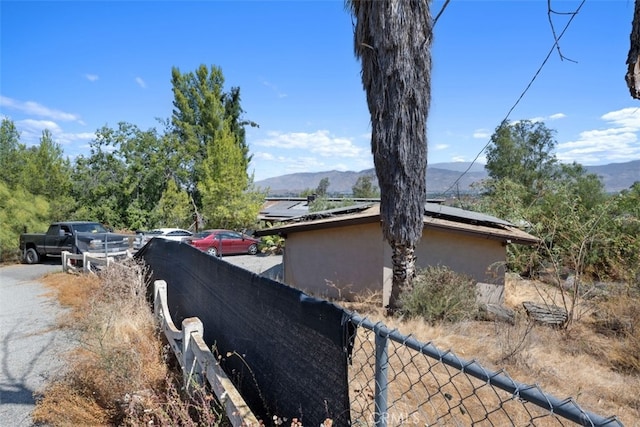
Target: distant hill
(440, 178)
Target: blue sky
(73, 67)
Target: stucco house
(342, 253)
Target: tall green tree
(323, 186)
(208, 125)
(46, 172)
(201, 107)
(11, 153)
(364, 188)
(174, 207)
(392, 39)
(98, 181)
(228, 198)
(523, 152)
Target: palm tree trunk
(404, 270)
(633, 59)
(393, 41)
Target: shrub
(440, 294)
(272, 245)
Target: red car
(225, 242)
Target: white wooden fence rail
(87, 260)
(197, 361)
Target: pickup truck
(74, 236)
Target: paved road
(264, 265)
(29, 341)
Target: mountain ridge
(440, 178)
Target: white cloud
(482, 134)
(618, 141)
(141, 82)
(35, 109)
(91, 77)
(439, 147)
(557, 116)
(320, 142)
(31, 132)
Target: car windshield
(90, 228)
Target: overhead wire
(526, 89)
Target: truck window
(90, 228)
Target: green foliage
(11, 153)
(273, 244)
(364, 188)
(174, 208)
(45, 171)
(523, 153)
(228, 197)
(323, 203)
(19, 210)
(323, 186)
(440, 294)
(202, 112)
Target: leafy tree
(228, 199)
(323, 186)
(393, 41)
(47, 173)
(586, 186)
(11, 153)
(201, 107)
(174, 207)
(19, 210)
(98, 181)
(523, 152)
(364, 188)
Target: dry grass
(117, 375)
(600, 371)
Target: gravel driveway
(30, 344)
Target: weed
(440, 293)
(118, 373)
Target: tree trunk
(633, 60)
(392, 38)
(404, 270)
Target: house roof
(445, 218)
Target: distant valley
(441, 177)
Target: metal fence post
(382, 366)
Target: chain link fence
(396, 380)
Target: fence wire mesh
(396, 380)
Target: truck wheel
(31, 256)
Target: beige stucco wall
(478, 257)
(335, 262)
(347, 260)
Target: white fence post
(190, 367)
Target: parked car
(226, 242)
(177, 234)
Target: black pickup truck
(73, 236)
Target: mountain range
(451, 178)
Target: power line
(526, 89)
